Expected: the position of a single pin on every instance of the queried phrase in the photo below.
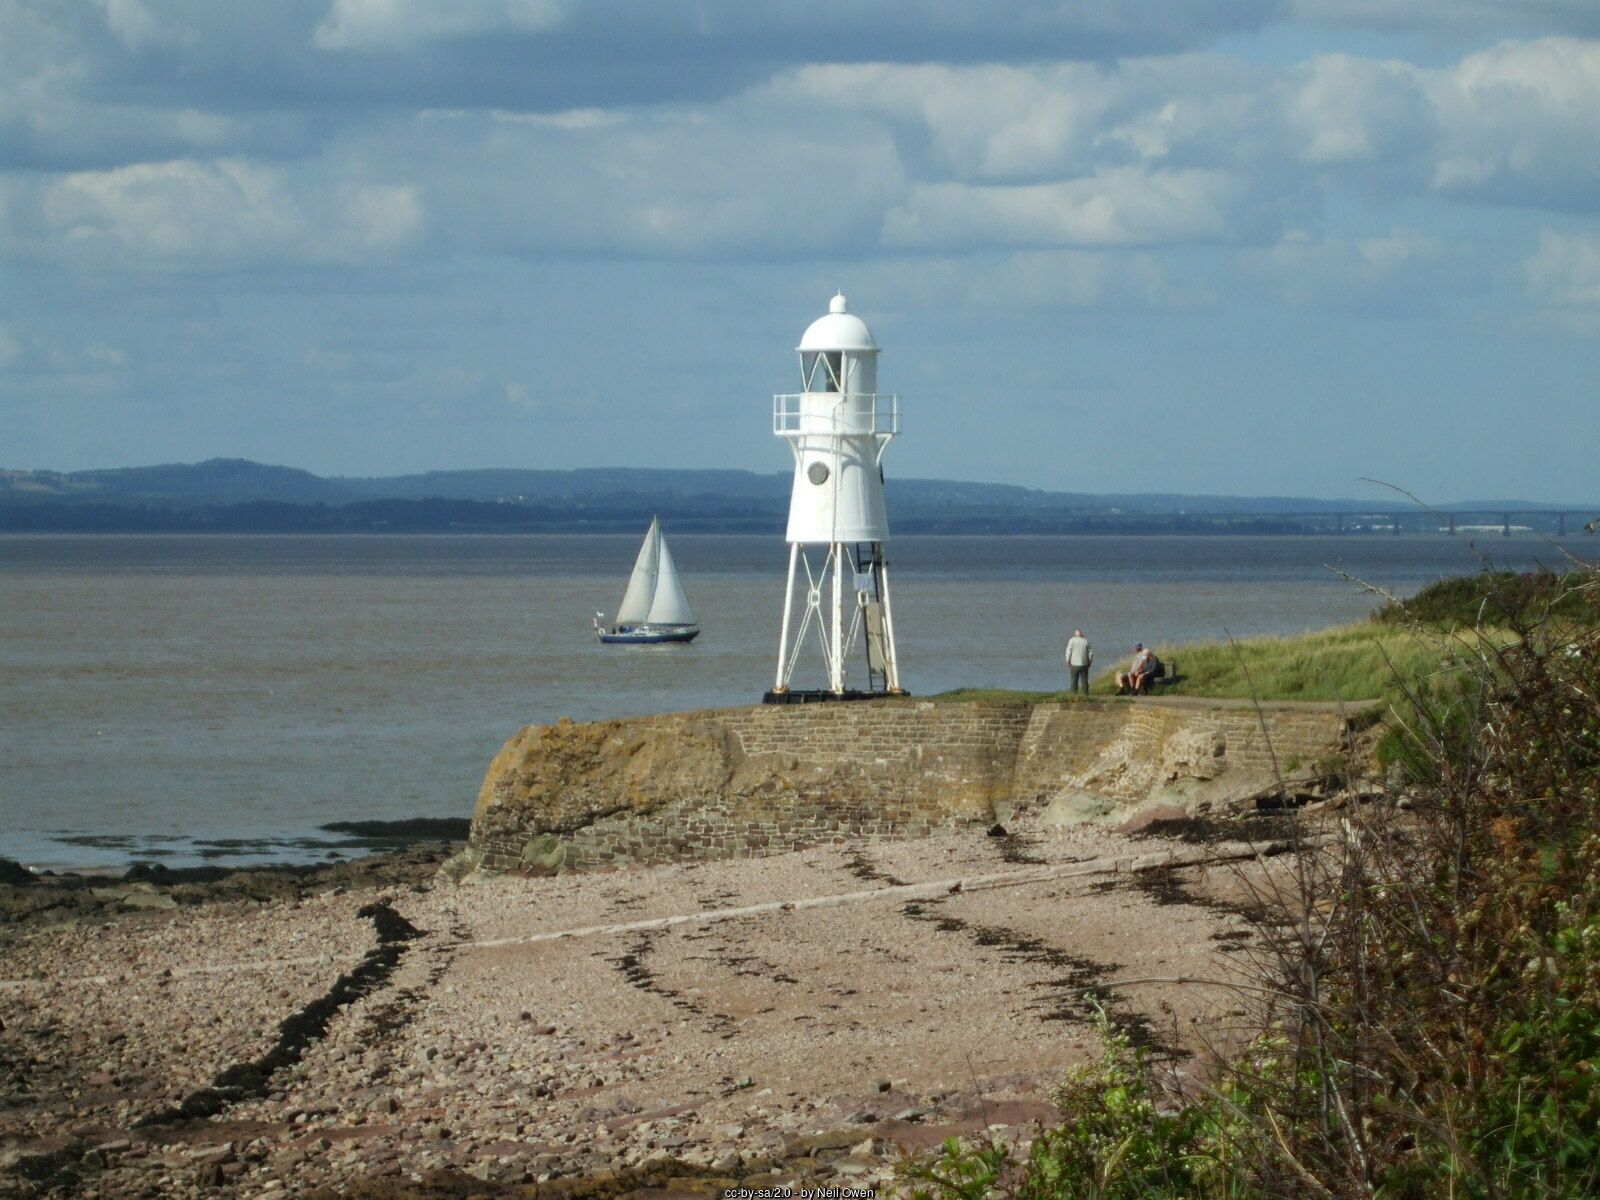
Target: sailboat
(654, 608)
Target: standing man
(1079, 655)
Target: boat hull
(644, 635)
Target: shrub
(1120, 1138)
(1497, 598)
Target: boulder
(1081, 808)
(14, 873)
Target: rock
(41, 1160)
(208, 1175)
(1235, 790)
(862, 1151)
(1180, 793)
(461, 867)
(544, 854)
(1197, 754)
(14, 873)
(1150, 814)
(1080, 808)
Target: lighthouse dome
(839, 330)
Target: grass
(1346, 662)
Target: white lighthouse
(838, 428)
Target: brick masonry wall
(738, 782)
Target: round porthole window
(817, 472)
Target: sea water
(194, 698)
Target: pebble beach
(796, 1021)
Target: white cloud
(55, 351)
(1115, 206)
(383, 25)
(189, 213)
(383, 217)
(1401, 270)
(174, 211)
(1565, 271)
(520, 398)
(1349, 111)
(829, 158)
(104, 354)
(704, 183)
(1518, 123)
(137, 28)
(988, 122)
(1028, 280)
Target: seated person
(1129, 680)
(1153, 668)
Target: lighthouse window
(824, 370)
(817, 472)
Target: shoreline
(29, 898)
(202, 859)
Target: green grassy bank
(1347, 662)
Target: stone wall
(761, 779)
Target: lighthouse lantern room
(837, 428)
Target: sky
(1248, 247)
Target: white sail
(636, 601)
(669, 606)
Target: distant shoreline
(446, 518)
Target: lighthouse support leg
(781, 683)
(836, 650)
(891, 668)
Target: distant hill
(227, 494)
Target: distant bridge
(1499, 522)
(1387, 522)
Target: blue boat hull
(645, 636)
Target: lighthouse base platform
(798, 696)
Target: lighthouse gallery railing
(851, 414)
